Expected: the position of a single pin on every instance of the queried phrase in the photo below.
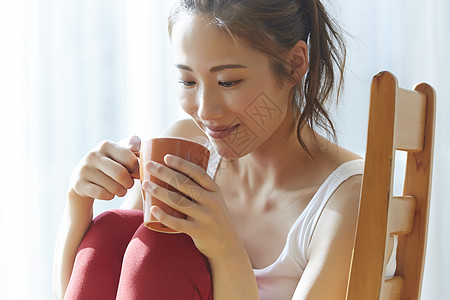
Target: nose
(210, 105)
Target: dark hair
(273, 27)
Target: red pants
(119, 258)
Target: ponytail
(326, 50)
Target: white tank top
(279, 280)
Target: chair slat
(409, 120)
(398, 120)
(401, 214)
(419, 166)
(392, 288)
(370, 238)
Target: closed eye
(228, 84)
(187, 83)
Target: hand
(207, 220)
(107, 171)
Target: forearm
(233, 277)
(75, 221)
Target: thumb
(134, 143)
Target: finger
(93, 190)
(179, 181)
(111, 185)
(115, 171)
(135, 144)
(99, 178)
(177, 224)
(172, 199)
(192, 170)
(120, 154)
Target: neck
(279, 163)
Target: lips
(220, 132)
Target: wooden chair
(399, 119)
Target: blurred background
(76, 72)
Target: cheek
(261, 96)
(243, 99)
(187, 103)
(267, 108)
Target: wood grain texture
(399, 119)
(411, 247)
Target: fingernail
(148, 186)
(169, 158)
(135, 142)
(154, 211)
(151, 166)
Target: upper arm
(185, 128)
(330, 250)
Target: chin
(231, 150)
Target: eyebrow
(213, 69)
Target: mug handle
(136, 175)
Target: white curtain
(75, 72)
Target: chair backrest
(399, 119)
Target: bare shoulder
(331, 245)
(346, 195)
(185, 128)
(339, 215)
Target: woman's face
(228, 89)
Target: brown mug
(155, 149)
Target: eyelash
(226, 84)
(187, 83)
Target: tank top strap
(214, 157)
(303, 229)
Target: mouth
(220, 132)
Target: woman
(277, 220)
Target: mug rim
(175, 139)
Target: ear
(298, 59)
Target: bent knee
(147, 244)
(117, 219)
(115, 226)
